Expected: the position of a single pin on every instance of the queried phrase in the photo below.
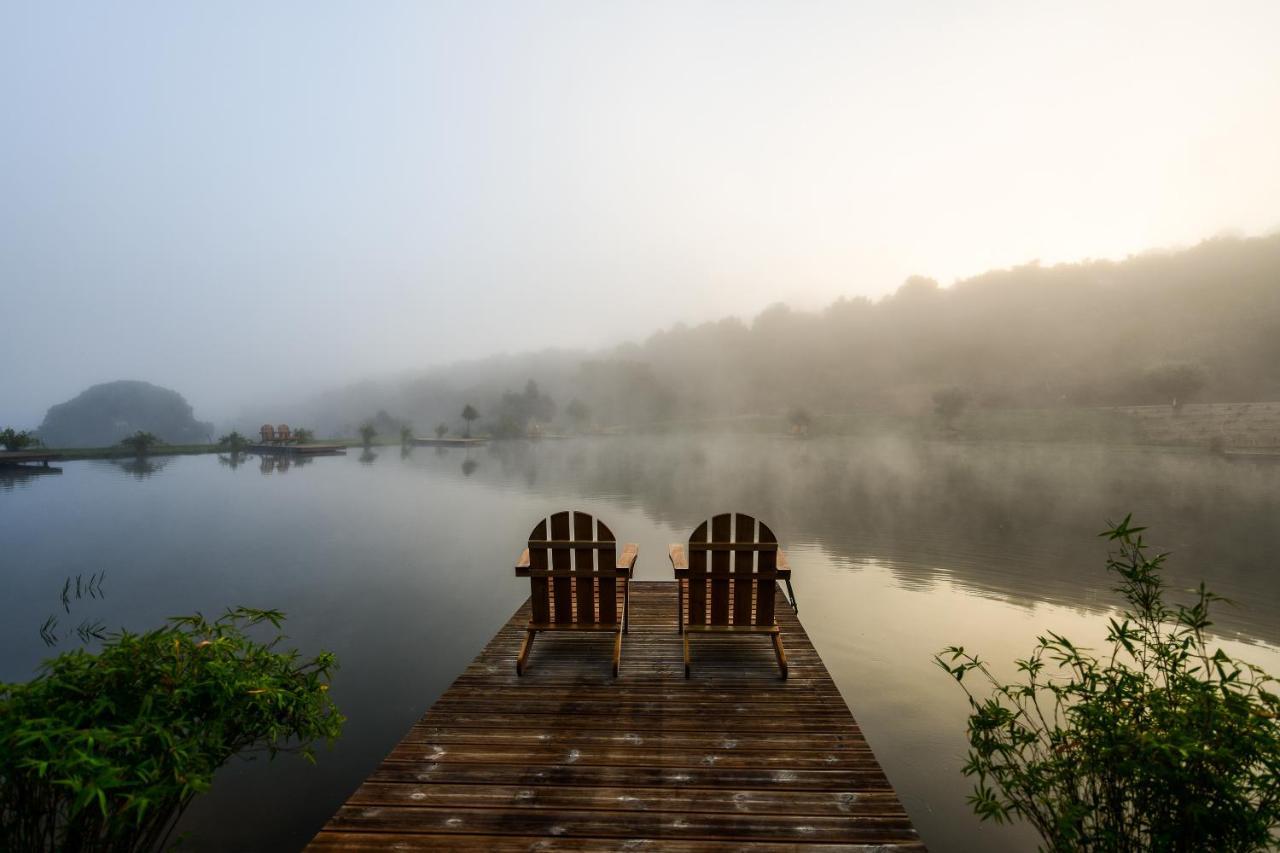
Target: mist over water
(401, 564)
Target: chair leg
(679, 607)
(523, 657)
(782, 655)
(686, 655)
(617, 653)
(626, 607)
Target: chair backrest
(573, 560)
(733, 562)
(268, 432)
(282, 432)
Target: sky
(243, 200)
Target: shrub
(104, 751)
(1157, 744)
(234, 441)
(140, 442)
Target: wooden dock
(568, 758)
(28, 458)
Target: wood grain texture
(568, 758)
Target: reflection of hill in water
(1017, 521)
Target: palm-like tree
(406, 435)
(469, 414)
(441, 430)
(368, 433)
(304, 436)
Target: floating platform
(28, 458)
(297, 449)
(449, 442)
(569, 758)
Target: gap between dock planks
(568, 758)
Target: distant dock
(298, 449)
(449, 442)
(28, 458)
(569, 758)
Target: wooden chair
(282, 432)
(268, 433)
(735, 591)
(574, 575)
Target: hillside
(106, 413)
(1199, 324)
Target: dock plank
(568, 758)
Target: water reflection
(368, 456)
(1011, 521)
(898, 549)
(142, 467)
(232, 460)
(15, 476)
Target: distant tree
(367, 433)
(406, 435)
(304, 436)
(1176, 382)
(579, 413)
(233, 441)
(801, 421)
(17, 440)
(140, 442)
(469, 414)
(948, 403)
(442, 430)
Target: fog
(258, 205)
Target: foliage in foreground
(1158, 744)
(105, 751)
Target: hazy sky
(241, 199)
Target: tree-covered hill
(104, 414)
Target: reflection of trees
(469, 467)
(141, 467)
(232, 460)
(1017, 520)
(368, 456)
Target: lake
(402, 565)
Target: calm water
(401, 565)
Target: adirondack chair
(574, 575)
(282, 432)
(268, 433)
(733, 592)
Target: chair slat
(584, 566)
(743, 568)
(697, 578)
(563, 586)
(721, 531)
(540, 590)
(766, 592)
(607, 560)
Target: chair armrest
(678, 558)
(627, 559)
(784, 566)
(523, 562)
